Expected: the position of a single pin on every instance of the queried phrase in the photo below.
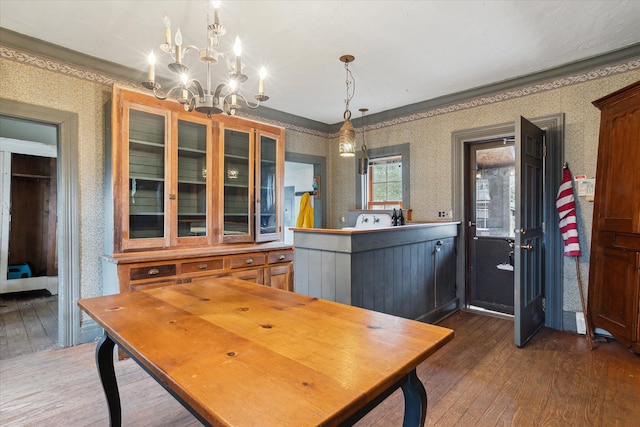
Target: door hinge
(544, 151)
(544, 304)
(544, 227)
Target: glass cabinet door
(146, 175)
(238, 183)
(192, 179)
(267, 186)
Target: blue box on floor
(19, 271)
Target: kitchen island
(407, 271)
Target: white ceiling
(406, 51)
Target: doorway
(303, 173)
(28, 219)
(490, 200)
(68, 246)
(552, 260)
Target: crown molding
(28, 50)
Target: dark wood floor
(478, 379)
(28, 323)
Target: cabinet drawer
(277, 257)
(247, 260)
(200, 266)
(152, 271)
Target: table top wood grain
(245, 354)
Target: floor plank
(28, 323)
(479, 379)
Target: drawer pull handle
(282, 257)
(153, 271)
(203, 266)
(249, 261)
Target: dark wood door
(614, 276)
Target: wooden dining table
(235, 353)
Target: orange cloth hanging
(305, 217)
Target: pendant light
(363, 161)
(347, 138)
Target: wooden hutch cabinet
(614, 276)
(190, 196)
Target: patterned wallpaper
(37, 80)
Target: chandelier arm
(198, 86)
(219, 89)
(168, 93)
(230, 66)
(190, 47)
(247, 103)
(160, 97)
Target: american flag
(566, 205)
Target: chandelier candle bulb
(178, 47)
(216, 12)
(263, 75)
(237, 49)
(151, 76)
(167, 30)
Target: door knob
(527, 247)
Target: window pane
(379, 192)
(394, 191)
(395, 172)
(495, 192)
(379, 173)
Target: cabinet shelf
(29, 176)
(146, 178)
(191, 151)
(146, 143)
(236, 156)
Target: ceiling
(405, 51)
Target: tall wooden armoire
(614, 274)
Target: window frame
(371, 204)
(401, 150)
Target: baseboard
(89, 331)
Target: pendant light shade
(363, 160)
(347, 138)
(347, 141)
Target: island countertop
(355, 230)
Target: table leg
(415, 401)
(104, 362)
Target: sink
(369, 221)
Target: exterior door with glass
(492, 190)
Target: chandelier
(347, 138)
(192, 94)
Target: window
(384, 183)
(388, 176)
